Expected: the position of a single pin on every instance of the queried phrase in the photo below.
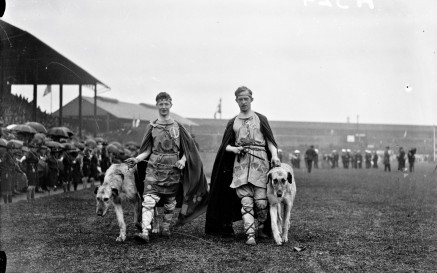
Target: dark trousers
(387, 167)
(309, 165)
(7, 198)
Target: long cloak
(224, 206)
(193, 196)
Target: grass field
(347, 220)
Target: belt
(254, 147)
(165, 154)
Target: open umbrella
(132, 143)
(60, 132)
(10, 126)
(90, 143)
(69, 146)
(37, 126)
(53, 145)
(18, 143)
(111, 148)
(80, 145)
(39, 137)
(127, 152)
(69, 132)
(117, 144)
(99, 139)
(22, 128)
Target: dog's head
(278, 178)
(105, 194)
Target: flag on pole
(219, 109)
(48, 90)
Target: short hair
(163, 96)
(242, 89)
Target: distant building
(327, 136)
(112, 114)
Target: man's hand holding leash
(275, 161)
(180, 164)
(131, 162)
(236, 149)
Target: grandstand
(26, 60)
(18, 110)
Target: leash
(156, 163)
(246, 151)
(166, 165)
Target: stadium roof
(117, 109)
(27, 60)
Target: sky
(369, 61)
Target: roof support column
(95, 110)
(80, 110)
(107, 123)
(35, 93)
(2, 90)
(60, 105)
(2, 82)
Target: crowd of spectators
(51, 163)
(44, 163)
(18, 110)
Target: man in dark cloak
(172, 171)
(225, 206)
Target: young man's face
(244, 101)
(164, 107)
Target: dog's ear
(96, 189)
(289, 177)
(114, 192)
(269, 176)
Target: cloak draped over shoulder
(193, 197)
(224, 206)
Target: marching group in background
(354, 159)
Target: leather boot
(261, 233)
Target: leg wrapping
(149, 204)
(248, 215)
